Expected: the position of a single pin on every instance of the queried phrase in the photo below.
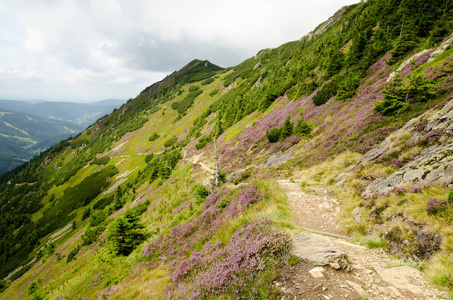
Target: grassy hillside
(128, 208)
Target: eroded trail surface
(372, 274)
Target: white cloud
(96, 49)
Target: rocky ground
(336, 268)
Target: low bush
(203, 141)
(170, 142)
(435, 206)
(100, 161)
(273, 135)
(207, 81)
(153, 137)
(182, 106)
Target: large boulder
(319, 250)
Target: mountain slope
(128, 210)
(24, 135)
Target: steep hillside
(23, 135)
(190, 190)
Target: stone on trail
(317, 272)
(319, 250)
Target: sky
(88, 50)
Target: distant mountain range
(82, 114)
(28, 127)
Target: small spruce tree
(125, 234)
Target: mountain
(217, 183)
(23, 136)
(82, 114)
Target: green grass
(373, 242)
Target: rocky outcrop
(432, 132)
(444, 46)
(260, 78)
(278, 158)
(407, 62)
(324, 26)
(411, 239)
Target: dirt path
(374, 274)
(315, 210)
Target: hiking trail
(372, 273)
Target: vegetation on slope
(329, 93)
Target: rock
(319, 250)
(401, 278)
(238, 173)
(442, 48)
(46, 161)
(324, 26)
(317, 272)
(257, 66)
(260, 78)
(357, 288)
(406, 62)
(357, 214)
(275, 159)
(434, 164)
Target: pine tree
(286, 129)
(125, 233)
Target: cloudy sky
(86, 50)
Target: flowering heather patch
(418, 187)
(398, 190)
(397, 162)
(433, 135)
(203, 227)
(421, 125)
(417, 62)
(381, 64)
(435, 206)
(249, 196)
(284, 145)
(243, 269)
(377, 210)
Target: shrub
(32, 288)
(86, 213)
(302, 128)
(100, 161)
(213, 93)
(170, 142)
(287, 129)
(273, 135)
(102, 203)
(149, 157)
(153, 137)
(73, 253)
(182, 106)
(203, 141)
(207, 81)
(201, 191)
(435, 206)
